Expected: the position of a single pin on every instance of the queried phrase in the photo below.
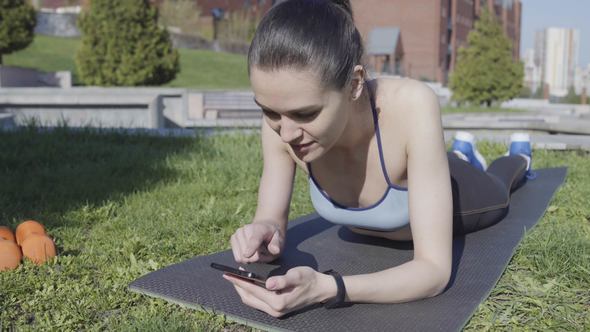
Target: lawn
(199, 69)
(121, 206)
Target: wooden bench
(230, 105)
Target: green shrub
(122, 45)
(17, 23)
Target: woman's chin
(307, 156)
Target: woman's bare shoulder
(403, 105)
(401, 94)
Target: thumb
(292, 278)
(276, 283)
(274, 246)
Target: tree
(572, 97)
(485, 70)
(122, 45)
(525, 92)
(17, 25)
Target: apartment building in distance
(556, 55)
(532, 71)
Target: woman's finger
(241, 240)
(276, 300)
(276, 243)
(251, 299)
(253, 238)
(291, 279)
(256, 303)
(235, 248)
(244, 241)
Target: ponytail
(344, 4)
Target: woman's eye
(271, 114)
(306, 116)
(298, 116)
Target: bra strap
(378, 134)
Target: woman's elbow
(442, 284)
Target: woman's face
(307, 116)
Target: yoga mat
(479, 259)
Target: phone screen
(243, 274)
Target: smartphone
(242, 274)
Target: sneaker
(464, 148)
(520, 144)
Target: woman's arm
(276, 183)
(431, 211)
(263, 239)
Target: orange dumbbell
(36, 245)
(6, 233)
(10, 253)
(28, 227)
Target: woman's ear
(358, 82)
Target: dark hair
(317, 34)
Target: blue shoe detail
(524, 147)
(467, 149)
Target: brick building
(434, 30)
(262, 6)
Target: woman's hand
(257, 242)
(300, 287)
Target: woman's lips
(302, 147)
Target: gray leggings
(481, 199)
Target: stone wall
(94, 107)
(26, 77)
(57, 24)
(128, 107)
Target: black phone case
(246, 275)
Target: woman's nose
(290, 131)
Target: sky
(539, 14)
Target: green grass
(199, 69)
(121, 206)
(47, 54)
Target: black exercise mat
(479, 259)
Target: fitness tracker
(338, 300)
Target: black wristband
(338, 300)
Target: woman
(375, 155)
